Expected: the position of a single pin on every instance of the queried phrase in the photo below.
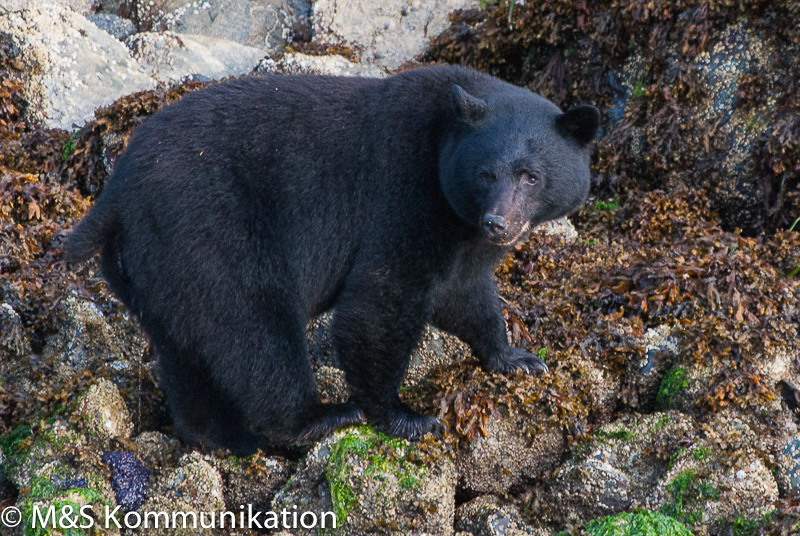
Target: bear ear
(579, 123)
(470, 109)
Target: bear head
(513, 160)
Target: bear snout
(494, 225)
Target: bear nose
(494, 224)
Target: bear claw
(410, 425)
(519, 359)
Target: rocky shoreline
(666, 309)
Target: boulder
(334, 65)
(115, 25)
(487, 516)
(372, 484)
(104, 413)
(70, 67)
(388, 33)
(264, 24)
(169, 57)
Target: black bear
(245, 209)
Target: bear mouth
(504, 240)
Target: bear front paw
(407, 424)
(514, 359)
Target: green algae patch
(641, 523)
(671, 385)
(689, 492)
(362, 451)
(49, 510)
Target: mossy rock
(374, 483)
(640, 523)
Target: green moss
(640, 523)
(662, 423)
(689, 493)
(674, 381)
(638, 87)
(606, 206)
(384, 457)
(619, 435)
(41, 492)
(701, 453)
(70, 146)
(751, 527)
(15, 445)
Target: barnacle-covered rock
(104, 412)
(69, 65)
(373, 484)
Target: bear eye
(487, 176)
(530, 178)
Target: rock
(561, 228)
(170, 57)
(373, 484)
(388, 33)
(70, 67)
(253, 480)
(115, 25)
(83, 336)
(648, 374)
(739, 196)
(104, 412)
(54, 464)
(787, 472)
(334, 65)
(594, 487)
(129, 479)
(486, 516)
(265, 24)
(194, 486)
(722, 477)
(157, 450)
(332, 385)
(617, 469)
(497, 463)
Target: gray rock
(494, 464)
(561, 228)
(115, 25)
(70, 66)
(486, 516)
(715, 483)
(616, 470)
(333, 65)
(787, 472)
(194, 486)
(170, 57)
(265, 24)
(254, 480)
(84, 337)
(104, 412)
(387, 33)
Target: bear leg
(471, 311)
(376, 325)
(201, 414)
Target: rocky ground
(667, 309)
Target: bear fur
(244, 209)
